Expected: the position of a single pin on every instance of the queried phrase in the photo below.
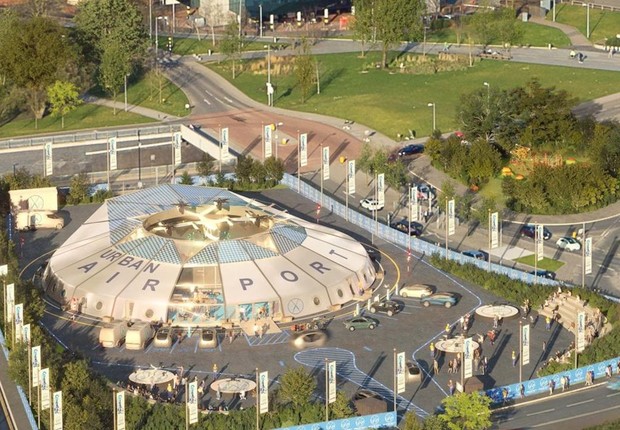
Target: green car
(354, 323)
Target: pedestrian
(451, 387)
(255, 329)
(462, 322)
(563, 383)
(241, 313)
(432, 348)
(435, 366)
(548, 323)
(608, 371)
(231, 336)
(551, 386)
(588, 378)
(504, 395)
(522, 390)
(514, 359)
(215, 370)
(495, 321)
(485, 364)
(448, 329)
(450, 366)
(477, 362)
(611, 53)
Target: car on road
(361, 322)
(568, 244)
(479, 255)
(416, 291)
(441, 299)
(414, 373)
(424, 191)
(163, 338)
(389, 307)
(208, 338)
(411, 150)
(371, 204)
(544, 273)
(403, 225)
(529, 230)
(313, 338)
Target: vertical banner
(581, 331)
(381, 189)
(494, 230)
(57, 410)
(10, 302)
(49, 169)
(35, 362)
(44, 377)
(451, 218)
(540, 240)
(325, 161)
(263, 392)
(414, 210)
(400, 372)
(224, 140)
(176, 144)
(19, 321)
(120, 410)
(468, 357)
(331, 380)
(588, 255)
(525, 344)
(26, 334)
(192, 402)
(351, 176)
(267, 138)
(112, 150)
(303, 149)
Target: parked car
(388, 307)
(441, 299)
(163, 338)
(33, 219)
(208, 338)
(414, 373)
(544, 273)
(416, 291)
(530, 231)
(568, 244)
(361, 322)
(371, 204)
(403, 225)
(424, 190)
(480, 255)
(313, 338)
(411, 150)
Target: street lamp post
(343, 161)
(278, 125)
(588, 20)
(126, 75)
(15, 170)
(434, 117)
(260, 20)
(269, 87)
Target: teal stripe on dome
(283, 243)
(292, 232)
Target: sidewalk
(577, 39)
(140, 110)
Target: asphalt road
(572, 410)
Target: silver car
(163, 338)
(417, 291)
(208, 338)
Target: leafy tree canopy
(296, 386)
(467, 411)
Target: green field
(603, 23)
(394, 103)
(544, 264)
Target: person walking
(504, 395)
(548, 323)
(215, 370)
(451, 387)
(514, 359)
(432, 348)
(551, 387)
(448, 329)
(450, 366)
(544, 347)
(435, 366)
(495, 321)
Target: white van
(138, 335)
(33, 219)
(112, 334)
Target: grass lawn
(533, 35)
(84, 117)
(395, 103)
(544, 264)
(603, 23)
(189, 46)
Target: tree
(296, 386)
(603, 147)
(186, 179)
(411, 422)
(434, 422)
(304, 70)
(509, 31)
(34, 57)
(364, 162)
(206, 165)
(115, 66)
(64, 97)
(341, 408)
(243, 170)
(485, 162)
(397, 20)
(274, 169)
(79, 189)
(230, 44)
(483, 24)
(363, 24)
(467, 411)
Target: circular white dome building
(201, 256)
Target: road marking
(576, 416)
(228, 100)
(367, 348)
(579, 403)
(541, 412)
(281, 363)
(611, 395)
(207, 101)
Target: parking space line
(174, 346)
(367, 348)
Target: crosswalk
(346, 367)
(268, 339)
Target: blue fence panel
(386, 419)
